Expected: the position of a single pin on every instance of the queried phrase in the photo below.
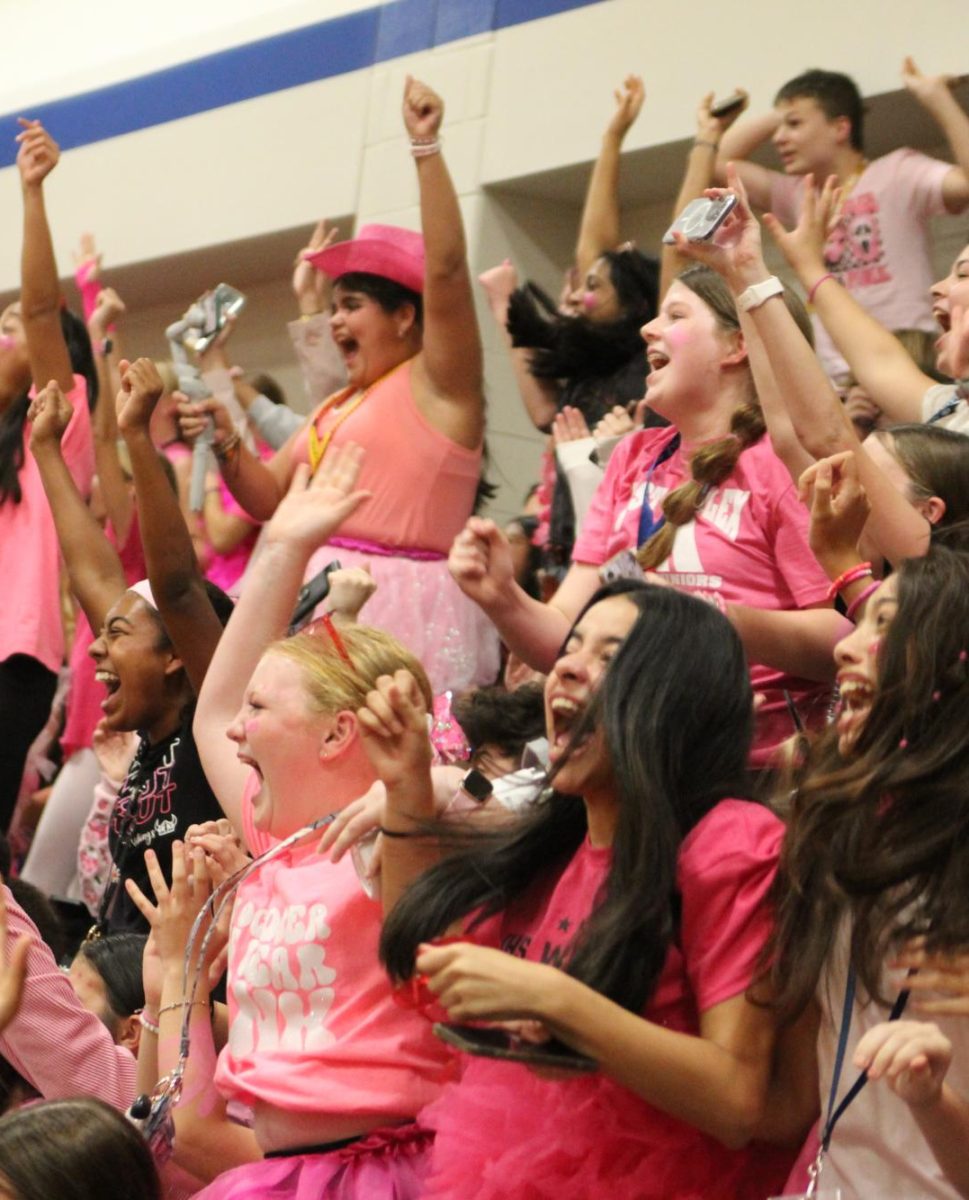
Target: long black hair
(675, 708)
(14, 416)
(882, 836)
(574, 347)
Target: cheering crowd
(384, 852)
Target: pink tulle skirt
(503, 1133)
(421, 605)
(388, 1164)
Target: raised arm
(176, 579)
(258, 486)
(599, 227)
(934, 93)
(321, 363)
(393, 725)
(877, 360)
(95, 571)
(797, 397)
(40, 295)
(481, 564)
(539, 396)
(448, 371)
(115, 492)
(699, 175)
(737, 145)
(305, 519)
(206, 1141)
(818, 417)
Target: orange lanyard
(318, 445)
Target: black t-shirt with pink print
(164, 792)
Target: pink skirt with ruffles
(421, 605)
(503, 1133)
(388, 1164)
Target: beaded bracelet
(181, 1005)
(858, 571)
(147, 1023)
(852, 610)
(223, 451)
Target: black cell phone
(311, 594)
(701, 219)
(729, 104)
(499, 1043)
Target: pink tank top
(423, 484)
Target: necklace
(337, 404)
(847, 188)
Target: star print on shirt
(565, 925)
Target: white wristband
(757, 293)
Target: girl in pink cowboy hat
(403, 319)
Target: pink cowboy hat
(386, 250)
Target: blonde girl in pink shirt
(331, 1069)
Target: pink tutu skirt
(388, 1164)
(421, 605)
(503, 1133)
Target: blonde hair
(714, 462)
(335, 685)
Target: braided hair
(715, 461)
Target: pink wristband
(852, 610)
(859, 571)
(814, 290)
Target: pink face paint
(676, 336)
(7, 341)
(589, 301)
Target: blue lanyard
(961, 393)
(835, 1114)
(648, 524)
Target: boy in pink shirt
(879, 248)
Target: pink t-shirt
(224, 570)
(30, 615)
(313, 1027)
(616, 1143)
(880, 247)
(422, 483)
(748, 544)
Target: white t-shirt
(938, 398)
(878, 1151)
(880, 247)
